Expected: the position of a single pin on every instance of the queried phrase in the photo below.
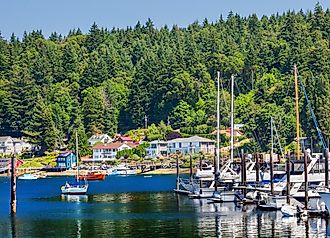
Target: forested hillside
(109, 80)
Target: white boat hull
(74, 190)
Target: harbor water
(137, 206)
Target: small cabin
(66, 159)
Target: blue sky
(63, 15)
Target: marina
(134, 206)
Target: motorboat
(122, 170)
(28, 177)
(92, 175)
(206, 171)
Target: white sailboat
(76, 187)
(224, 195)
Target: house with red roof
(124, 139)
(108, 151)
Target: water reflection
(153, 215)
(74, 198)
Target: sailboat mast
(297, 110)
(218, 124)
(271, 156)
(272, 135)
(77, 156)
(232, 120)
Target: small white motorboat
(28, 177)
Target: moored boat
(272, 203)
(28, 177)
(74, 188)
(92, 175)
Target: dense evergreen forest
(110, 80)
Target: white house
(103, 138)
(104, 152)
(157, 148)
(192, 144)
(6, 145)
(9, 145)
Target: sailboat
(76, 187)
(224, 195)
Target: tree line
(110, 80)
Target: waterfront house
(237, 131)
(157, 148)
(66, 159)
(192, 144)
(6, 145)
(107, 152)
(99, 138)
(10, 145)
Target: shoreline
(152, 172)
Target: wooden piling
(288, 182)
(215, 162)
(13, 186)
(201, 158)
(243, 172)
(177, 173)
(326, 164)
(191, 172)
(256, 156)
(306, 179)
(271, 174)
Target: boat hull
(92, 176)
(27, 177)
(74, 189)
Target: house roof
(114, 145)
(158, 142)
(191, 139)
(125, 138)
(5, 138)
(64, 154)
(98, 137)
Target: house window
(180, 145)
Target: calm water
(136, 206)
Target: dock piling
(13, 186)
(256, 156)
(191, 172)
(177, 172)
(306, 179)
(326, 156)
(271, 175)
(288, 169)
(243, 172)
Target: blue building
(66, 159)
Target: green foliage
(108, 81)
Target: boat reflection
(74, 198)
